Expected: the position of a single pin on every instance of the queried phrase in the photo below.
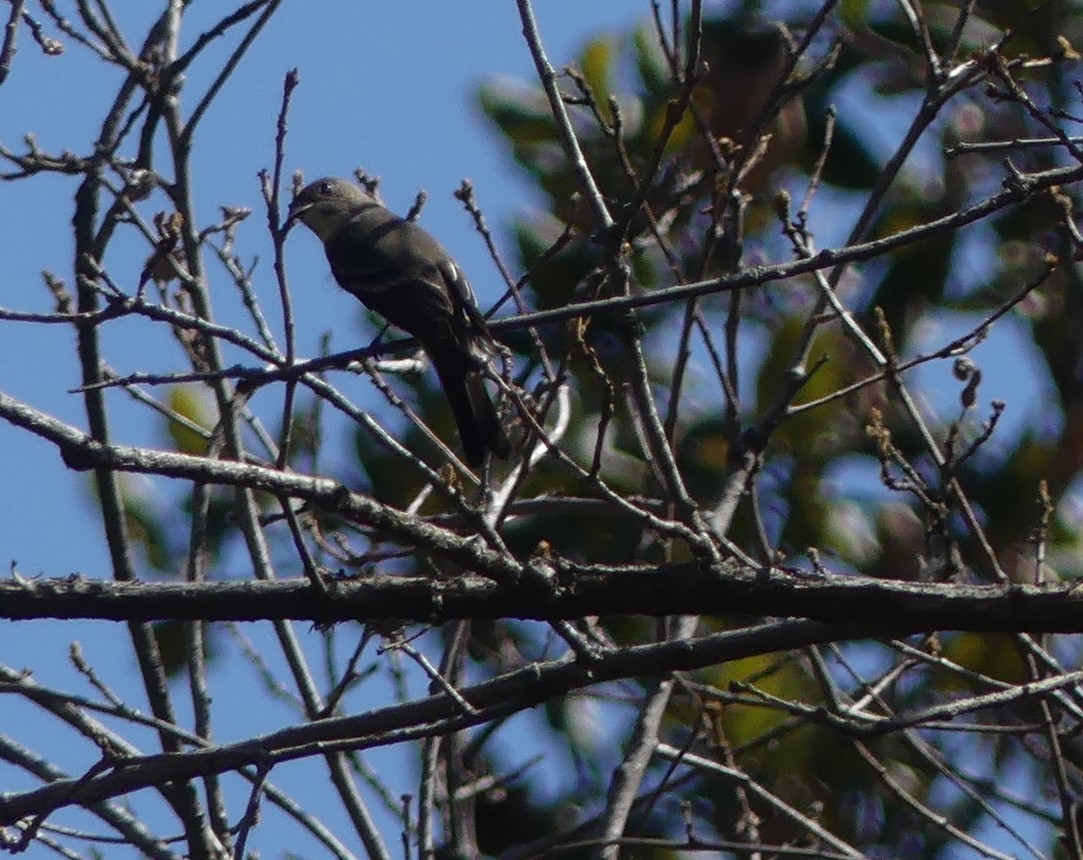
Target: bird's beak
(297, 209)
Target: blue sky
(384, 86)
(387, 87)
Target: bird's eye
(325, 188)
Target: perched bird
(398, 270)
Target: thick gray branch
(80, 451)
(574, 593)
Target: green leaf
(595, 63)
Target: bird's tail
(475, 414)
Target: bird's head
(325, 205)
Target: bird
(401, 272)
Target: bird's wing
(460, 293)
(376, 262)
